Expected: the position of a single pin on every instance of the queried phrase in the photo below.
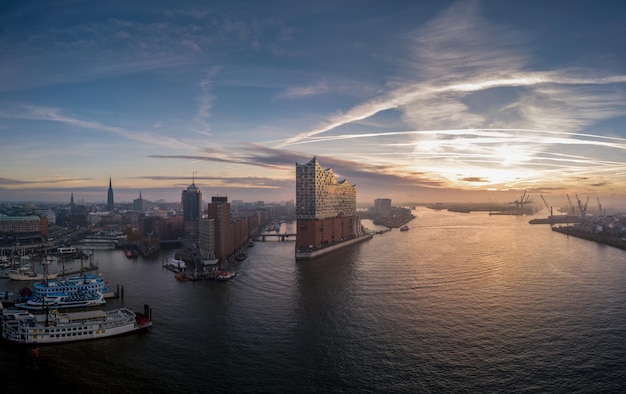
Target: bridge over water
(281, 237)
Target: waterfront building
(206, 239)
(162, 227)
(191, 201)
(382, 207)
(231, 232)
(24, 224)
(219, 211)
(110, 203)
(325, 211)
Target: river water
(459, 303)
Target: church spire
(110, 203)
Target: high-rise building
(110, 203)
(219, 211)
(325, 211)
(139, 204)
(206, 239)
(191, 201)
(382, 207)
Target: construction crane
(600, 211)
(547, 206)
(571, 206)
(582, 208)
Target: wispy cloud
(306, 91)
(56, 115)
(205, 103)
(22, 182)
(461, 63)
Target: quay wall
(329, 249)
(599, 238)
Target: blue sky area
(409, 100)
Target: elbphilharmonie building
(325, 211)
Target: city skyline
(413, 101)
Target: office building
(139, 204)
(191, 201)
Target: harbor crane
(582, 208)
(547, 206)
(522, 202)
(601, 212)
(571, 206)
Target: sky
(417, 101)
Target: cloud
(56, 115)
(306, 91)
(21, 182)
(474, 179)
(205, 103)
(458, 57)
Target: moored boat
(68, 251)
(225, 275)
(175, 265)
(78, 284)
(26, 328)
(30, 275)
(64, 301)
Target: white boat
(66, 251)
(175, 265)
(64, 301)
(26, 328)
(72, 285)
(30, 275)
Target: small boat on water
(53, 327)
(404, 228)
(175, 265)
(30, 275)
(131, 253)
(241, 256)
(66, 251)
(64, 301)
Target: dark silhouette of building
(110, 203)
(191, 201)
(139, 204)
